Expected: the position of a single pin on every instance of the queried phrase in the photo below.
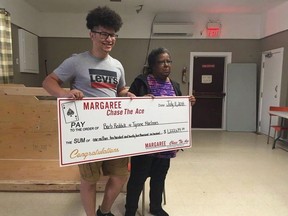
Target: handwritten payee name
(129, 125)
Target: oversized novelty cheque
(95, 129)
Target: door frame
(228, 60)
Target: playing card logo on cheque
(70, 112)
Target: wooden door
(208, 83)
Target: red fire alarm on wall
(213, 29)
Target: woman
(155, 82)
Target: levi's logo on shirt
(103, 78)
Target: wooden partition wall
(29, 143)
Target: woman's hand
(192, 100)
(149, 95)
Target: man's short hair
(103, 16)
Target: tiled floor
(223, 174)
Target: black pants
(142, 167)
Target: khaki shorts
(92, 171)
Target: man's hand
(129, 94)
(75, 94)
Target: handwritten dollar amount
(175, 130)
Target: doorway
(270, 86)
(208, 72)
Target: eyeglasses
(168, 62)
(105, 35)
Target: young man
(95, 73)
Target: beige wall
(132, 54)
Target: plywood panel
(29, 144)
